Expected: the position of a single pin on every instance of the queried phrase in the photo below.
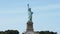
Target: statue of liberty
(29, 14)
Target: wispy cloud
(47, 7)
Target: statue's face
(30, 32)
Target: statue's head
(29, 9)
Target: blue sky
(14, 15)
